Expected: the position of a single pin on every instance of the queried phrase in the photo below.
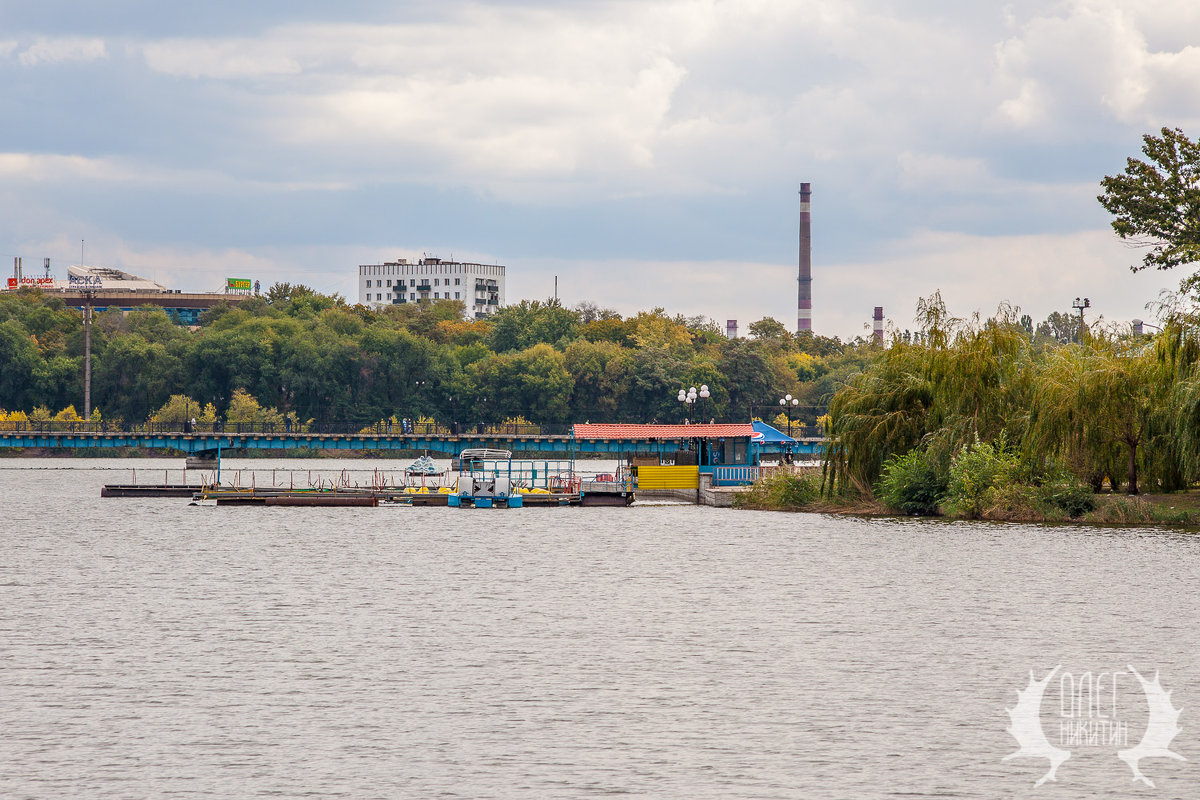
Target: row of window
(479, 301)
(413, 282)
(413, 296)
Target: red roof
(630, 431)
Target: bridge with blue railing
(215, 439)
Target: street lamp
(788, 402)
(687, 398)
(690, 397)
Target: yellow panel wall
(668, 477)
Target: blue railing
(735, 476)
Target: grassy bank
(788, 492)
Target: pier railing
(745, 475)
(735, 475)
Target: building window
(389, 282)
(412, 296)
(457, 281)
(456, 295)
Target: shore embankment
(803, 492)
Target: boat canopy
(484, 454)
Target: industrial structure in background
(479, 286)
(877, 330)
(731, 329)
(102, 288)
(804, 300)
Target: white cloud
(53, 169)
(934, 171)
(681, 97)
(58, 50)
(7, 48)
(653, 98)
(1101, 60)
(40, 168)
(227, 59)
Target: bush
(1020, 502)
(911, 483)
(1071, 496)
(974, 472)
(781, 491)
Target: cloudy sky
(647, 153)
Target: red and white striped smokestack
(804, 301)
(878, 331)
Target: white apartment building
(480, 286)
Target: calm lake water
(149, 648)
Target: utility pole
(1080, 305)
(88, 295)
(87, 354)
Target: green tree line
(307, 356)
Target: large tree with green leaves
(1156, 202)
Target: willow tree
(967, 379)
(1102, 404)
(982, 382)
(879, 412)
(1178, 349)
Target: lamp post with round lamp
(688, 398)
(788, 402)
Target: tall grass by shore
(787, 491)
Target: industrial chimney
(878, 329)
(731, 329)
(804, 301)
